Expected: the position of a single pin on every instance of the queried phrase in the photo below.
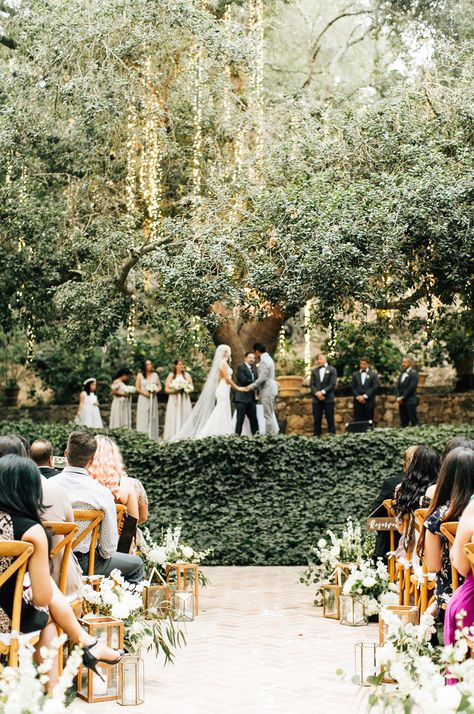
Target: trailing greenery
(260, 501)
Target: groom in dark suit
(323, 383)
(365, 384)
(245, 401)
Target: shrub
(260, 501)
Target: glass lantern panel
(352, 611)
(331, 601)
(183, 605)
(366, 661)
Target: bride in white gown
(212, 415)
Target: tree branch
(8, 42)
(134, 258)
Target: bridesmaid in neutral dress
(121, 412)
(148, 385)
(89, 411)
(178, 386)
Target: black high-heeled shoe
(91, 662)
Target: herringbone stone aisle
(257, 646)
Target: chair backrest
(20, 552)
(69, 532)
(420, 518)
(94, 519)
(121, 511)
(388, 504)
(449, 530)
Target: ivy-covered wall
(259, 501)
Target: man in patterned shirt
(87, 494)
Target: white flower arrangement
(181, 384)
(420, 671)
(124, 601)
(152, 388)
(352, 546)
(371, 585)
(170, 550)
(128, 389)
(22, 688)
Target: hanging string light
(131, 323)
(332, 341)
(151, 160)
(198, 136)
(307, 338)
(256, 28)
(131, 158)
(226, 100)
(196, 331)
(30, 343)
(282, 346)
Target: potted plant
(290, 369)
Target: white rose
(322, 543)
(369, 581)
(187, 551)
(120, 610)
(157, 555)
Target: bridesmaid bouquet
(180, 384)
(129, 389)
(152, 388)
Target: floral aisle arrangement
(420, 671)
(142, 628)
(352, 546)
(169, 549)
(370, 584)
(180, 384)
(22, 688)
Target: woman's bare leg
(47, 635)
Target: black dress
(13, 527)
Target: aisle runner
(257, 646)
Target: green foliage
(354, 341)
(260, 501)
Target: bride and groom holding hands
(212, 413)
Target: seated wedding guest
(107, 468)
(410, 495)
(89, 410)
(387, 491)
(463, 599)
(178, 386)
(121, 410)
(26, 444)
(87, 494)
(42, 455)
(11, 444)
(450, 445)
(44, 607)
(453, 493)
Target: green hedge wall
(259, 501)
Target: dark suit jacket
(48, 472)
(407, 389)
(370, 387)
(328, 384)
(243, 379)
(387, 490)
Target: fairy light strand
(307, 338)
(198, 135)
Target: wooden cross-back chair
(388, 505)
(449, 531)
(424, 589)
(68, 531)
(121, 511)
(20, 552)
(94, 519)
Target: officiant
(245, 402)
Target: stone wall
(294, 413)
(296, 416)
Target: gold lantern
(157, 598)
(407, 614)
(182, 605)
(331, 595)
(131, 681)
(352, 611)
(90, 686)
(342, 572)
(183, 574)
(366, 664)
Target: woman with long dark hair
(450, 445)
(178, 386)
(148, 385)
(453, 493)
(121, 410)
(44, 607)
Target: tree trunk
(241, 336)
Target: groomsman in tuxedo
(245, 403)
(406, 393)
(365, 384)
(323, 383)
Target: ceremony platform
(257, 646)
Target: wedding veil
(194, 424)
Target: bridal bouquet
(170, 549)
(371, 585)
(124, 601)
(129, 389)
(180, 384)
(22, 687)
(353, 546)
(152, 388)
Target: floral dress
(444, 585)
